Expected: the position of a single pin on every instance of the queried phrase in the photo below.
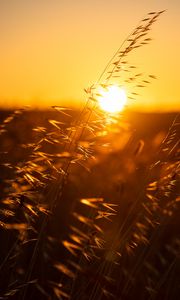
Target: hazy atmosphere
(52, 50)
(89, 150)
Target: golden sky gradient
(52, 49)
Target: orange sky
(52, 49)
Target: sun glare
(112, 99)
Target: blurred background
(52, 50)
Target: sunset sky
(52, 49)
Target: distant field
(122, 167)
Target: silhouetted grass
(89, 209)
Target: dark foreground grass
(121, 241)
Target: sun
(112, 99)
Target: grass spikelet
(63, 268)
